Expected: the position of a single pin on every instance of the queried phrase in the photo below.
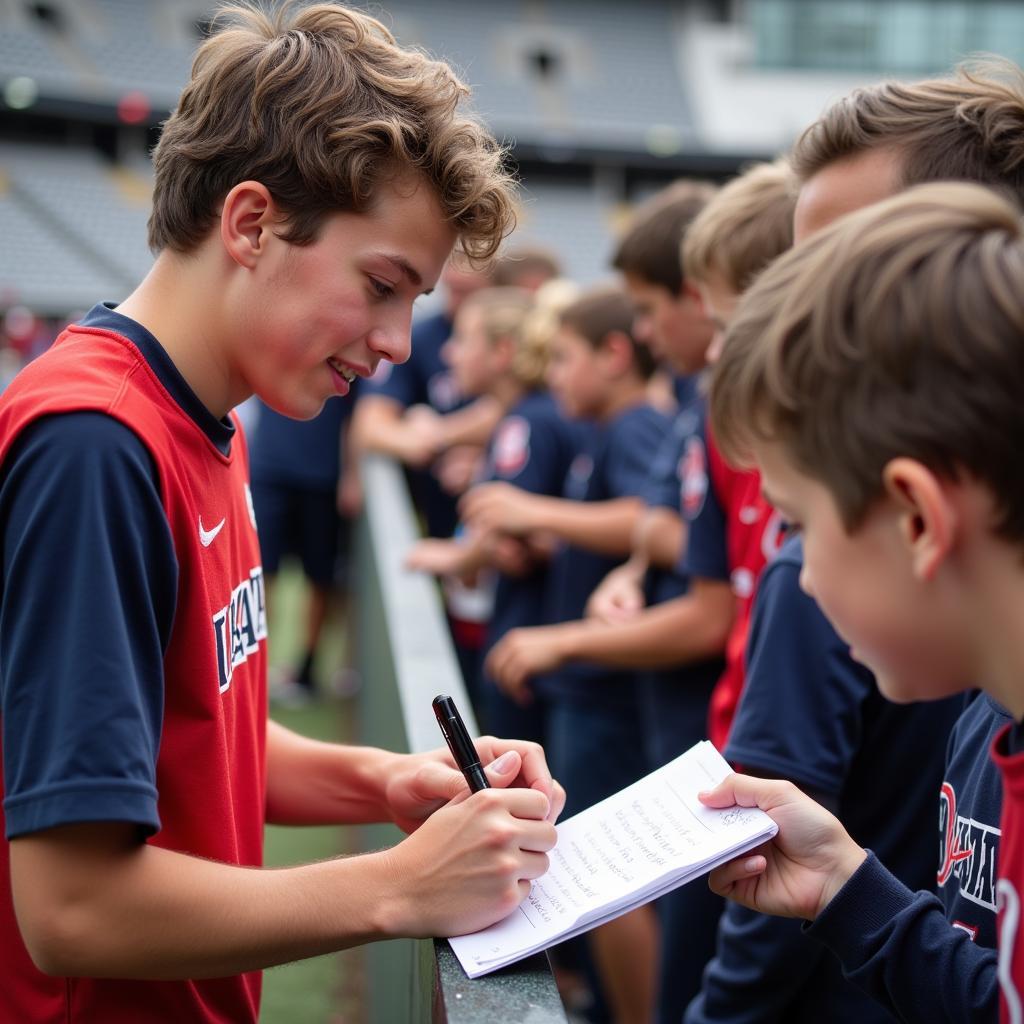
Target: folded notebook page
(646, 840)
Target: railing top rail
(425, 665)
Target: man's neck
(167, 303)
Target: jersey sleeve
(760, 965)
(792, 651)
(898, 946)
(90, 582)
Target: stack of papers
(644, 841)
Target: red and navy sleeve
(90, 583)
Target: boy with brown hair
(310, 184)
(874, 376)
(838, 747)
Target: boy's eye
(384, 291)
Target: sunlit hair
(968, 126)
(602, 311)
(895, 332)
(322, 106)
(504, 312)
(746, 225)
(649, 249)
(534, 352)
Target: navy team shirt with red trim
(733, 532)
(674, 702)
(614, 465)
(811, 714)
(133, 676)
(532, 447)
(424, 379)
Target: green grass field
(325, 990)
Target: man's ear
(246, 220)
(928, 519)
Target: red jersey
(735, 518)
(210, 769)
(1010, 886)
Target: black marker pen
(459, 743)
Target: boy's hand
(469, 865)
(798, 872)
(522, 654)
(457, 468)
(619, 596)
(438, 557)
(500, 507)
(420, 784)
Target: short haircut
(525, 261)
(968, 126)
(743, 227)
(650, 247)
(894, 332)
(607, 310)
(322, 106)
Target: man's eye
(384, 291)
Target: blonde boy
(310, 184)
(874, 376)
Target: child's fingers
(724, 878)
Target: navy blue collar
(105, 317)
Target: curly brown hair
(322, 106)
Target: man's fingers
(504, 770)
(724, 878)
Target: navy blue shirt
(532, 447)
(614, 465)
(89, 590)
(674, 702)
(299, 453)
(811, 714)
(706, 554)
(970, 805)
(424, 379)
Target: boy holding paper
(874, 376)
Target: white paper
(642, 842)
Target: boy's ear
(928, 519)
(617, 352)
(246, 219)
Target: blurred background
(601, 103)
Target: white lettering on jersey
(240, 625)
(967, 852)
(1009, 908)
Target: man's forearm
(133, 910)
(314, 783)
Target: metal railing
(406, 658)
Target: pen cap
(454, 730)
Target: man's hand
(501, 507)
(620, 595)
(470, 864)
(523, 653)
(798, 872)
(419, 784)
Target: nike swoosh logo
(207, 537)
